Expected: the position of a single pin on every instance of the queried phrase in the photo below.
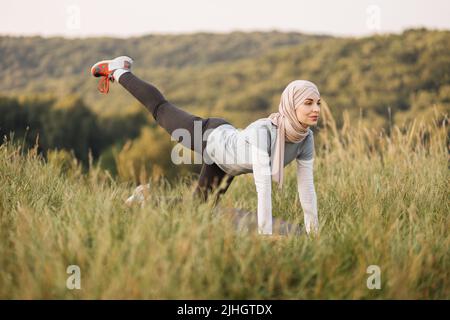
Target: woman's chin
(309, 122)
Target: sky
(87, 18)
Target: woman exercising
(264, 147)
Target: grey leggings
(212, 179)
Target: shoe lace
(103, 84)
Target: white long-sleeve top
(251, 150)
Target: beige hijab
(288, 126)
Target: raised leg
(170, 117)
(167, 115)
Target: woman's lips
(314, 118)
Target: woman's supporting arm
(307, 194)
(263, 179)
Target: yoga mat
(246, 222)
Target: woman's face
(308, 111)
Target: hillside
(25, 60)
(241, 75)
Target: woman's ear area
(298, 111)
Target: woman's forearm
(262, 176)
(307, 194)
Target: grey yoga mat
(246, 221)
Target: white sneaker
(106, 70)
(139, 195)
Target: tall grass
(383, 200)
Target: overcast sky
(83, 18)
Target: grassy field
(383, 200)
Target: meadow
(383, 199)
